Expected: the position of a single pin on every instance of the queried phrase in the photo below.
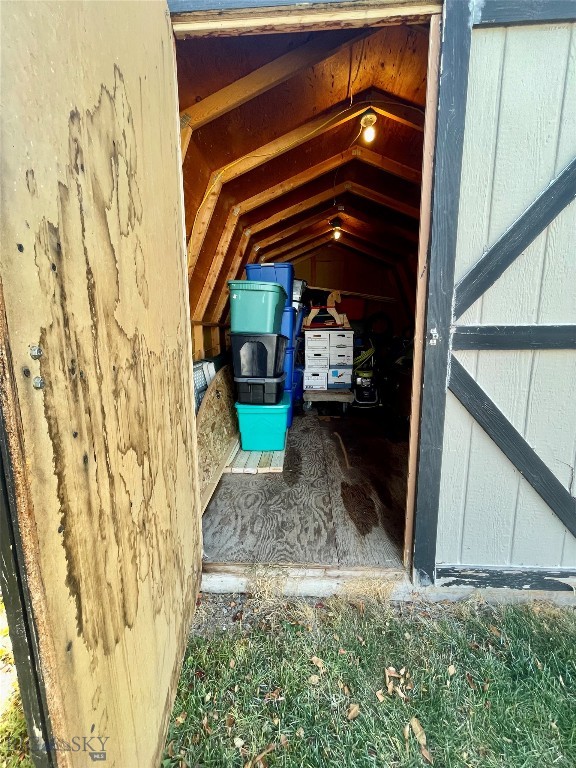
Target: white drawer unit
(341, 356)
(315, 379)
(317, 360)
(342, 338)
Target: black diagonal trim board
(552, 201)
(513, 445)
(453, 86)
(502, 12)
(545, 579)
(514, 337)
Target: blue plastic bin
(289, 368)
(263, 427)
(288, 324)
(298, 385)
(274, 273)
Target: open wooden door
(100, 493)
(495, 500)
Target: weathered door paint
(98, 422)
(496, 483)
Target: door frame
(197, 18)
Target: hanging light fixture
(336, 225)
(367, 122)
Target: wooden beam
(514, 337)
(421, 282)
(296, 18)
(331, 118)
(236, 263)
(199, 307)
(266, 77)
(185, 136)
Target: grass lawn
(359, 684)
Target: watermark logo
(93, 745)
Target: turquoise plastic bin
(255, 306)
(263, 427)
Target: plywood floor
(328, 507)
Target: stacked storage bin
(329, 355)
(283, 274)
(259, 351)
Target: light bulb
(369, 133)
(337, 234)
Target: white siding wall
(520, 133)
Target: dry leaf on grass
(238, 742)
(205, 725)
(353, 711)
(451, 670)
(180, 719)
(495, 631)
(318, 663)
(314, 680)
(274, 695)
(426, 755)
(470, 681)
(400, 692)
(418, 731)
(260, 760)
(230, 720)
(232, 663)
(380, 696)
(300, 733)
(283, 740)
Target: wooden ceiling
(273, 150)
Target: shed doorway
(274, 152)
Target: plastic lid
(264, 380)
(255, 285)
(284, 404)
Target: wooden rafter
(322, 123)
(218, 258)
(237, 261)
(264, 78)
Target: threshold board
(255, 462)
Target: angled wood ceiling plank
(330, 119)
(266, 77)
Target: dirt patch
(292, 466)
(360, 507)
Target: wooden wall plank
(217, 426)
(93, 217)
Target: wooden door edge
(422, 280)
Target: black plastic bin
(258, 355)
(260, 391)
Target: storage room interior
(280, 168)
